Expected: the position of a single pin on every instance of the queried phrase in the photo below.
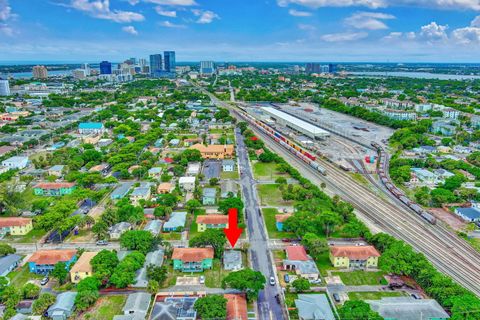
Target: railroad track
(449, 253)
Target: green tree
(465, 307)
(153, 287)
(85, 299)
(124, 273)
(301, 284)
(441, 196)
(211, 237)
(315, 245)
(6, 249)
(60, 272)
(246, 280)
(358, 310)
(211, 307)
(30, 291)
(228, 203)
(192, 205)
(157, 273)
(139, 240)
(213, 182)
(104, 264)
(43, 303)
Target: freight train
(288, 144)
(382, 168)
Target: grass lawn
(375, 295)
(324, 264)
(106, 308)
(21, 276)
(171, 236)
(83, 235)
(33, 236)
(270, 195)
(290, 303)
(358, 278)
(233, 175)
(214, 276)
(220, 131)
(360, 178)
(266, 171)
(269, 218)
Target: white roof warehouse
(301, 126)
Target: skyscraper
(170, 63)
(313, 67)
(4, 88)
(105, 67)
(207, 67)
(332, 68)
(40, 72)
(156, 65)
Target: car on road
(336, 297)
(272, 281)
(102, 243)
(44, 281)
(202, 279)
(286, 278)
(277, 297)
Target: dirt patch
(449, 218)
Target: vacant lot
(270, 195)
(270, 223)
(106, 308)
(358, 278)
(266, 171)
(375, 295)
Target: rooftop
(83, 263)
(192, 254)
(296, 253)
(300, 123)
(14, 222)
(54, 185)
(212, 219)
(406, 308)
(354, 252)
(313, 306)
(52, 256)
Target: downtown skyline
(293, 30)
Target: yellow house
(82, 268)
(354, 257)
(215, 151)
(15, 226)
(211, 221)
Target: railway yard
(449, 253)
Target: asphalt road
(261, 259)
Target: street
(261, 259)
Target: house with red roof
(211, 221)
(43, 261)
(16, 226)
(299, 261)
(192, 259)
(52, 189)
(354, 257)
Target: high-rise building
(86, 67)
(207, 67)
(105, 67)
(313, 67)
(332, 68)
(156, 65)
(4, 88)
(40, 72)
(169, 60)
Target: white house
(187, 183)
(16, 162)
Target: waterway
(417, 75)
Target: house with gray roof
(232, 260)
(313, 307)
(152, 258)
(153, 226)
(121, 191)
(63, 306)
(407, 308)
(176, 221)
(9, 263)
(137, 305)
(228, 187)
(209, 196)
(118, 229)
(173, 308)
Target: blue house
(468, 214)
(43, 261)
(9, 263)
(177, 221)
(91, 127)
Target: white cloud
(307, 27)
(434, 32)
(205, 16)
(374, 4)
(467, 35)
(368, 20)
(298, 13)
(130, 29)
(174, 3)
(475, 22)
(344, 37)
(168, 24)
(166, 13)
(5, 11)
(393, 36)
(101, 9)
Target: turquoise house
(53, 189)
(192, 259)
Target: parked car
(336, 297)
(44, 281)
(286, 278)
(102, 243)
(272, 281)
(416, 296)
(277, 297)
(202, 279)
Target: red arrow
(233, 232)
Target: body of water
(27, 75)
(417, 75)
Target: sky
(241, 30)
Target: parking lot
(211, 169)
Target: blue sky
(242, 30)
